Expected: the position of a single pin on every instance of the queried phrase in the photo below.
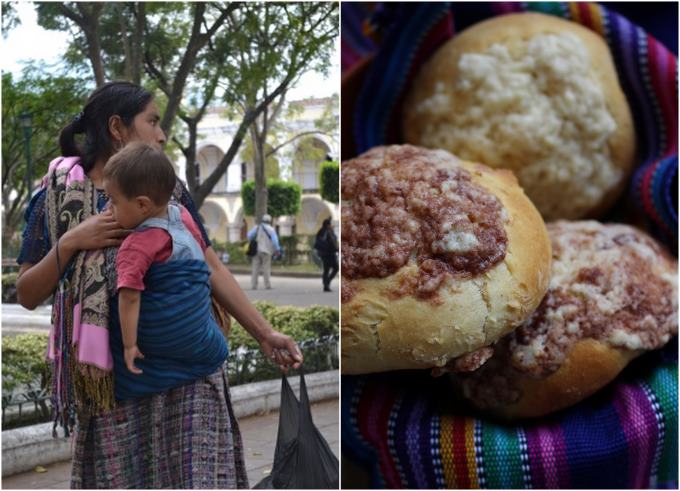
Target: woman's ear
(117, 130)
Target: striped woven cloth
(410, 32)
(407, 431)
(177, 333)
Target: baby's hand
(130, 354)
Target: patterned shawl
(80, 312)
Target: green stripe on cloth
(502, 461)
(550, 8)
(664, 382)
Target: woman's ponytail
(67, 141)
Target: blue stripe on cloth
(177, 333)
(387, 74)
(662, 190)
(596, 444)
(353, 14)
(396, 438)
(403, 442)
(424, 427)
(435, 453)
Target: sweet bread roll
(440, 258)
(535, 94)
(613, 296)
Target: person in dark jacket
(326, 245)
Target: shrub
(9, 288)
(300, 323)
(23, 355)
(283, 197)
(23, 360)
(328, 181)
(236, 251)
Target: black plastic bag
(302, 458)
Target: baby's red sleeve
(135, 255)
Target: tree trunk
(197, 41)
(94, 53)
(209, 182)
(190, 154)
(88, 21)
(125, 39)
(258, 164)
(251, 113)
(137, 40)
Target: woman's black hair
(124, 99)
(324, 225)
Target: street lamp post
(26, 120)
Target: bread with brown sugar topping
(440, 258)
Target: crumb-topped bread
(440, 258)
(612, 296)
(535, 94)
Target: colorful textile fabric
(406, 429)
(177, 333)
(184, 438)
(79, 335)
(410, 32)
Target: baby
(163, 281)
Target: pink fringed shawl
(80, 312)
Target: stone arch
(313, 211)
(208, 156)
(214, 220)
(309, 153)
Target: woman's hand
(97, 232)
(282, 350)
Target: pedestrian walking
(326, 245)
(182, 437)
(267, 246)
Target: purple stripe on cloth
(629, 41)
(413, 431)
(507, 7)
(548, 455)
(639, 424)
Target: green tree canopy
(52, 102)
(284, 197)
(329, 174)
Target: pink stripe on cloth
(548, 453)
(51, 354)
(639, 424)
(92, 341)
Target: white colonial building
(222, 212)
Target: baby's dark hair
(140, 170)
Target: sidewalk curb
(247, 270)
(24, 448)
